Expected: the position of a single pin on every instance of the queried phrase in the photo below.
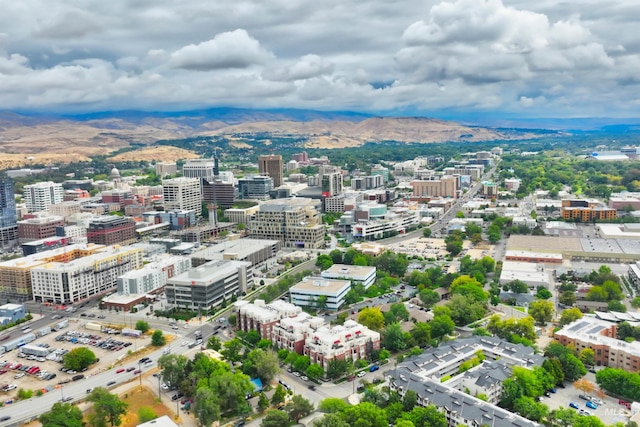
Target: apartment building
(65, 209)
(331, 184)
(38, 228)
(295, 221)
(153, 276)
(39, 196)
(454, 397)
(208, 285)
(446, 186)
(288, 327)
(111, 230)
(263, 318)
(585, 210)
(182, 194)
(272, 166)
(600, 336)
(81, 278)
(218, 192)
(256, 251)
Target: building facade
(296, 222)
(38, 228)
(79, 279)
(182, 194)
(272, 166)
(357, 274)
(321, 293)
(446, 186)
(153, 276)
(8, 214)
(111, 230)
(39, 196)
(255, 187)
(208, 285)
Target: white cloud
(234, 49)
(542, 57)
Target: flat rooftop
(350, 270)
(320, 285)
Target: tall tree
(173, 368)
(107, 408)
(275, 419)
(62, 415)
(79, 359)
(372, 318)
(541, 310)
(206, 407)
(393, 338)
(298, 407)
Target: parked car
(597, 401)
(374, 368)
(361, 374)
(591, 405)
(573, 405)
(584, 396)
(120, 370)
(312, 387)
(110, 383)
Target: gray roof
(525, 298)
(451, 400)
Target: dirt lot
(108, 358)
(136, 398)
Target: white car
(10, 387)
(296, 374)
(597, 401)
(165, 386)
(361, 374)
(20, 375)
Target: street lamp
(62, 393)
(140, 373)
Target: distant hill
(78, 136)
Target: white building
(39, 196)
(68, 282)
(209, 285)
(532, 274)
(152, 276)
(182, 194)
(308, 292)
(363, 275)
(198, 168)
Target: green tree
(465, 309)
(79, 359)
(302, 363)
(421, 333)
(441, 326)
(232, 350)
(107, 408)
(214, 343)
(278, 396)
(518, 287)
(298, 407)
(142, 326)
(409, 400)
(429, 297)
(252, 337)
(588, 357)
(146, 413)
(570, 315)
(173, 368)
(562, 417)
(635, 303)
(426, 416)
(616, 306)
(158, 339)
(337, 368)
(365, 415)
(333, 405)
(275, 419)
(62, 415)
(324, 262)
(265, 363)
(393, 338)
(541, 311)
(529, 408)
(567, 298)
(554, 367)
(314, 371)
(426, 232)
(372, 318)
(331, 420)
(336, 256)
(263, 402)
(543, 293)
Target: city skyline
(453, 58)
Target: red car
(120, 370)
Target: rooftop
(350, 270)
(320, 285)
(589, 329)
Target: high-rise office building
(272, 166)
(182, 194)
(8, 216)
(39, 196)
(199, 168)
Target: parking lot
(44, 371)
(610, 412)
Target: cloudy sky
(521, 58)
